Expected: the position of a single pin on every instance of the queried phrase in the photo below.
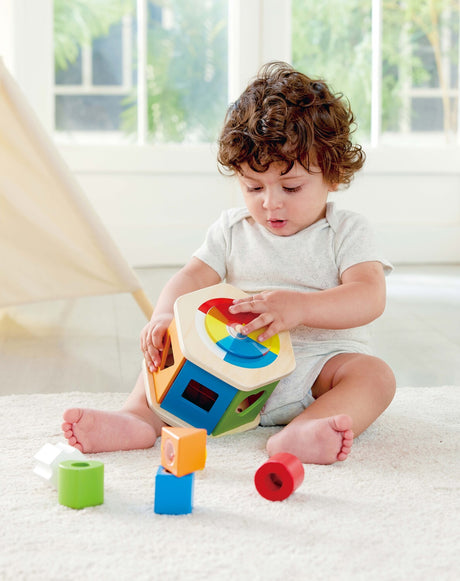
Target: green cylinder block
(81, 483)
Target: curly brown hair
(285, 116)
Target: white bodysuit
(248, 256)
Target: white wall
(158, 210)
(413, 198)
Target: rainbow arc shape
(219, 330)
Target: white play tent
(52, 243)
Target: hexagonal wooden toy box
(211, 376)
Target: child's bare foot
(315, 441)
(98, 431)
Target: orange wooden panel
(165, 376)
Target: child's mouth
(277, 223)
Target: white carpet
(389, 512)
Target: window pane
(107, 58)
(93, 48)
(186, 73)
(332, 40)
(72, 74)
(420, 71)
(88, 112)
(187, 70)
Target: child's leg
(134, 426)
(350, 393)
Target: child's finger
(248, 305)
(152, 359)
(267, 333)
(258, 324)
(157, 336)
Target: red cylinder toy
(277, 478)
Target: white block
(50, 456)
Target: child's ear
(333, 187)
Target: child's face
(285, 204)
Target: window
(333, 40)
(420, 47)
(397, 62)
(94, 80)
(156, 71)
(152, 69)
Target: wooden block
(81, 483)
(183, 450)
(50, 456)
(279, 476)
(173, 495)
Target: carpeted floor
(390, 512)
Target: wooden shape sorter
(211, 376)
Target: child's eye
(254, 188)
(292, 190)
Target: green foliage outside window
(333, 39)
(78, 22)
(187, 60)
(186, 73)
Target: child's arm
(357, 301)
(193, 276)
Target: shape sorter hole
(201, 396)
(244, 405)
(168, 360)
(170, 452)
(275, 481)
(80, 464)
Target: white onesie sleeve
(354, 240)
(216, 247)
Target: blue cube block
(173, 494)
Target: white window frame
(259, 31)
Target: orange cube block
(183, 450)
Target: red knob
(279, 476)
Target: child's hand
(278, 311)
(152, 340)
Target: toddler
(309, 268)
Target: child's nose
(272, 200)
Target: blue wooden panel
(198, 398)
